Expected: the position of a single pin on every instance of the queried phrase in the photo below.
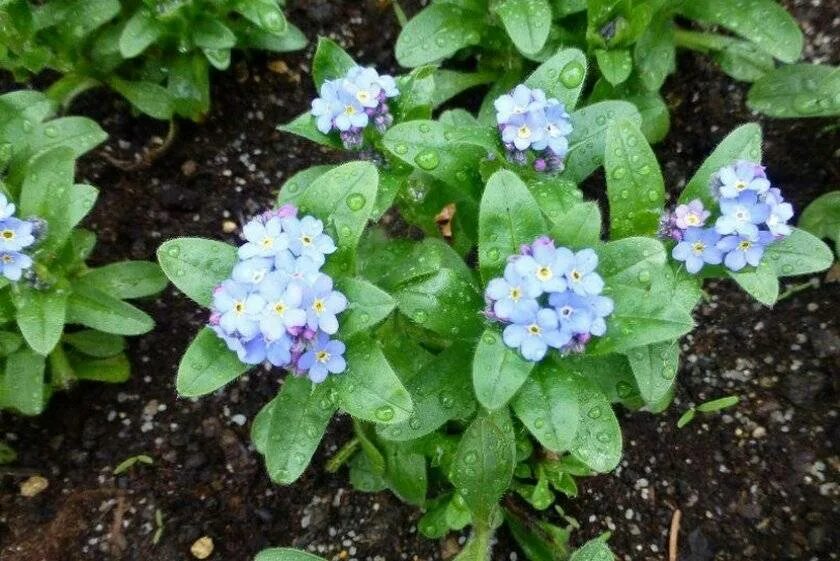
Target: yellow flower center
(8, 234)
(267, 242)
(349, 110)
(515, 293)
(363, 96)
(279, 308)
(698, 248)
(524, 132)
(322, 356)
(740, 185)
(744, 245)
(534, 329)
(576, 275)
(544, 273)
(741, 215)
(7, 259)
(692, 219)
(306, 240)
(319, 306)
(239, 307)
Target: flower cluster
(350, 104)
(752, 215)
(549, 297)
(15, 235)
(277, 305)
(529, 122)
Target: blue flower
(307, 238)
(557, 126)
(363, 85)
(525, 131)
(699, 246)
(249, 351)
(780, 213)
(7, 209)
(327, 107)
(742, 215)
(511, 293)
(301, 269)
(581, 276)
(573, 311)
(520, 101)
(239, 308)
(279, 351)
(322, 303)
(353, 115)
(282, 310)
(15, 234)
(324, 357)
(743, 250)
(534, 330)
(546, 266)
(731, 181)
(264, 239)
(253, 270)
(600, 307)
(13, 264)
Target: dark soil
(759, 481)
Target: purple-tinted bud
(555, 162)
(214, 318)
(525, 249)
(543, 241)
(540, 165)
(39, 228)
(352, 139)
(287, 211)
(490, 314)
(308, 334)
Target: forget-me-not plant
(15, 236)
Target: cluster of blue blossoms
(549, 297)
(350, 104)
(529, 122)
(15, 236)
(277, 305)
(752, 215)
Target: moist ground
(756, 482)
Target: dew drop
(384, 413)
(355, 201)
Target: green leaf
(127, 279)
(253, 38)
(718, 404)
(297, 184)
(79, 134)
(629, 261)
(527, 22)
(686, 418)
(435, 33)
(189, 86)
(196, 266)
(112, 370)
(547, 405)
(498, 371)
(508, 217)
(22, 385)
(285, 554)
(9, 343)
(406, 472)
(149, 98)
(140, 31)
(266, 14)
(797, 90)
(424, 145)
(47, 191)
(656, 118)
(369, 389)
(655, 53)
(588, 138)
(441, 391)
(304, 125)
(442, 302)
(210, 33)
(561, 76)
(759, 282)
(330, 62)
(40, 317)
(95, 343)
(449, 83)
(343, 198)
(635, 188)
(364, 477)
(368, 305)
(91, 307)
(416, 91)
(822, 217)
(764, 22)
(484, 463)
(298, 418)
(743, 143)
(615, 65)
(655, 368)
(744, 61)
(593, 550)
(578, 227)
(597, 442)
(207, 365)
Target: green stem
(700, 41)
(343, 455)
(62, 374)
(791, 290)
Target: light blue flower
(13, 264)
(7, 209)
(742, 215)
(324, 357)
(253, 270)
(249, 351)
(15, 234)
(279, 351)
(698, 247)
(322, 304)
(600, 307)
(780, 213)
(239, 308)
(525, 131)
(520, 101)
(302, 269)
(534, 330)
(558, 127)
(264, 239)
(547, 266)
(581, 276)
(691, 215)
(731, 181)
(353, 115)
(573, 311)
(327, 107)
(307, 238)
(363, 84)
(743, 250)
(512, 292)
(282, 310)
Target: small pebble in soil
(33, 486)
(202, 548)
